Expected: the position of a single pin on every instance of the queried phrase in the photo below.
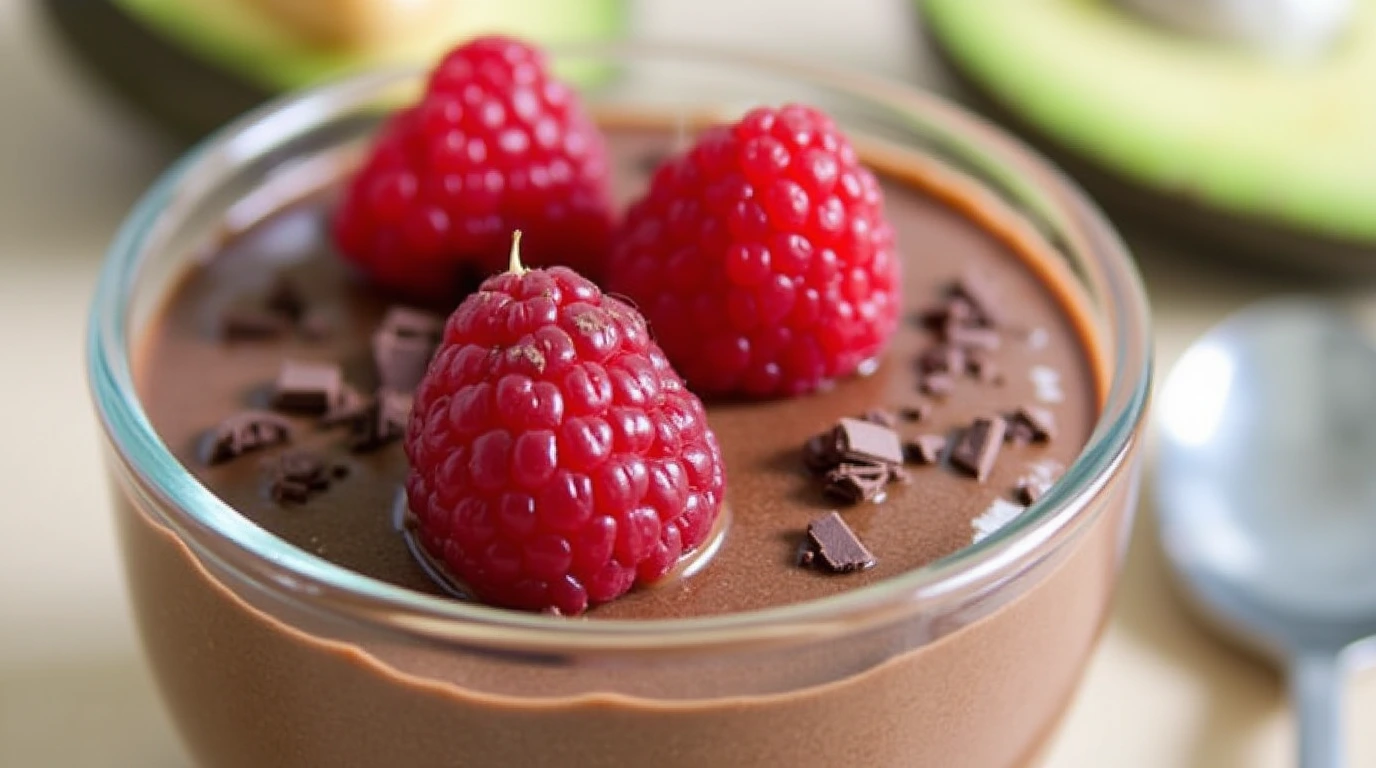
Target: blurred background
(97, 96)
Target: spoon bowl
(1266, 492)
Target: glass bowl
(267, 655)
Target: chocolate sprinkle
(978, 447)
(401, 360)
(862, 441)
(835, 546)
(924, 449)
(244, 432)
(310, 388)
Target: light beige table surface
(73, 690)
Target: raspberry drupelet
(557, 460)
(761, 257)
(495, 144)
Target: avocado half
(1249, 154)
(194, 64)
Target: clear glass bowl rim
(202, 521)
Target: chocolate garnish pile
(859, 457)
(402, 347)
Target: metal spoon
(1266, 495)
(1285, 27)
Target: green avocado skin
(1284, 142)
(188, 92)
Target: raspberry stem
(515, 267)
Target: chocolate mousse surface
(192, 378)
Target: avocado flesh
(1281, 141)
(232, 35)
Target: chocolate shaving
(862, 441)
(924, 449)
(296, 476)
(854, 483)
(1031, 423)
(242, 433)
(245, 322)
(1029, 489)
(978, 447)
(309, 388)
(835, 546)
(383, 422)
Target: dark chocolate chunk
(916, 413)
(881, 417)
(857, 482)
(1033, 423)
(245, 322)
(924, 449)
(384, 421)
(862, 441)
(303, 387)
(978, 446)
(937, 384)
(285, 299)
(244, 432)
(835, 546)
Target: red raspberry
(761, 257)
(495, 144)
(556, 458)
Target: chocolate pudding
(982, 683)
